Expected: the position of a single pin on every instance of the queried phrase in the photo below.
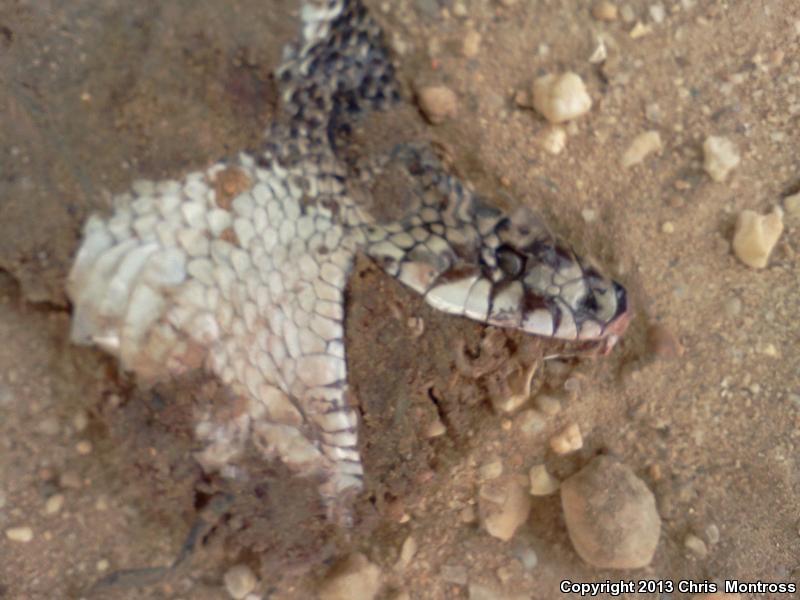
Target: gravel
(756, 235)
(542, 482)
(22, 534)
(239, 581)
(438, 103)
(561, 98)
(504, 506)
(568, 440)
(355, 578)
(720, 157)
(642, 145)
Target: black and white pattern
(241, 268)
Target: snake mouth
(618, 324)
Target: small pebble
(407, 552)
(456, 574)
(438, 103)
(531, 422)
(792, 205)
(435, 428)
(554, 139)
(569, 440)
(471, 46)
(642, 145)
(696, 546)
(542, 482)
(561, 98)
(732, 307)
(80, 421)
(611, 515)
(354, 578)
(720, 157)
(54, 504)
(549, 405)
(657, 13)
(627, 14)
(491, 470)
(589, 215)
(756, 235)
(712, 534)
(640, 30)
(102, 565)
(239, 581)
(504, 506)
(668, 227)
(605, 11)
(83, 447)
(21, 534)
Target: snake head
(542, 286)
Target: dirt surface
(96, 94)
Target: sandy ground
(97, 94)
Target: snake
(240, 269)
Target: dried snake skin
(240, 269)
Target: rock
(657, 13)
(604, 11)
(542, 483)
(438, 103)
(554, 139)
(569, 440)
(792, 204)
(756, 235)
(22, 534)
(239, 581)
(611, 515)
(54, 504)
(354, 578)
(504, 506)
(642, 145)
(696, 546)
(530, 422)
(561, 98)
(549, 405)
(407, 552)
(471, 45)
(491, 470)
(720, 157)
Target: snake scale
(240, 268)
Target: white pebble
(792, 205)
(756, 235)
(695, 545)
(720, 157)
(642, 145)
(54, 504)
(407, 552)
(561, 98)
(21, 534)
(554, 140)
(240, 581)
(355, 578)
(504, 506)
(657, 13)
(569, 440)
(437, 103)
(542, 482)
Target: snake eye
(589, 303)
(510, 261)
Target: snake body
(241, 268)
